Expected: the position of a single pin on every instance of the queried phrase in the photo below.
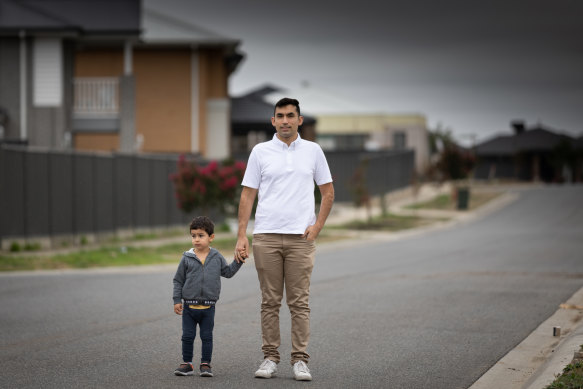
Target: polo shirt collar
(279, 143)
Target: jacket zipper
(204, 271)
(202, 283)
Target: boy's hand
(178, 309)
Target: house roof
(319, 101)
(165, 29)
(535, 139)
(247, 109)
(502, 144)
(84, 17)
(160, 29)
(252, 107)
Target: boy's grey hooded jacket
(201, 284)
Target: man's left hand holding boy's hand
(241, 255)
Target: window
(399, 140)
(47, 72)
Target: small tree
(213, 185)
(456, 164)
(359, 188)
(230, 176)
(563, 155)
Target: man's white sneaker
(267, 369)
(301, 371)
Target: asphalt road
(435, 310)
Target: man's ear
(300, 120)
(273, 121)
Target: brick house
(112, 76)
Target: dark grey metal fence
(58, 193)
(385, 171)
(50, 193)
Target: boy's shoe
(205, 370)
(184, 369)
(301, 371)
(267, 369)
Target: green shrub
(33, 246)
(15, 247)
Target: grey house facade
(113, 76)
(38, 40)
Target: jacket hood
(190, 253)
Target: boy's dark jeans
(205, 318)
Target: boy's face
(201, 240)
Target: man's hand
(242, 249)
(245, 206)
(312, 232)
(178, 309)
(327, 191)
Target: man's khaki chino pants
(284, 260)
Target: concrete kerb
(538, 359)
(560, 358)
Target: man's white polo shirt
(284, 177)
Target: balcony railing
(96, 97)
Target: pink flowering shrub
(213, 185)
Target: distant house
(343, 124)
(251, 119)
(112, 76)
(529, 154)
(376, 132)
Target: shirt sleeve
(252, 177)
(322, 174)
(229, 271)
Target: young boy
(198, 283)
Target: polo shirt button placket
(289, 160)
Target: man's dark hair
(202, 223)
(287, 101)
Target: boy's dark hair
(287, 101)
(202, 223)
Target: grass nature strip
(117, 255)
(122, 255)
(389, 222)
(570, 378)
(129, 255)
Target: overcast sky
(471, 66)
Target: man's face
(286, 122)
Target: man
(283, 171)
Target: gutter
(23, 87)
